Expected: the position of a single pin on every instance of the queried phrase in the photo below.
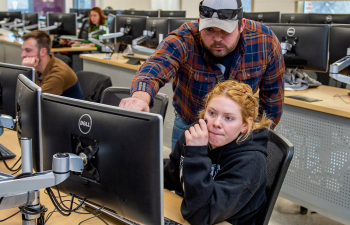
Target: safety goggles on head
(223, 14)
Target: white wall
(191, 8)
(126, 4)
(68, 5)
(283, 6)
(3, 4)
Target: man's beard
(223, 52)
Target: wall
(283, 6)
(126, 4)
(3, 4)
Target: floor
(287, 212)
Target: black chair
(113, 96)
(64, 58)
(280, 154)
(84, 30)
(93, 84)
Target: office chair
(113, 96)
(64, 58)
(84, 30)
(280, 154)
(93, 84)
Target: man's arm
(271, 92)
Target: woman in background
(96, 19)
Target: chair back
(113, 96)
(93, 84)
(84, 30)
(280, 154)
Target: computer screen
(84, 12)
(68, 23)
(134, 27)
(11, 15)
(175, 23)
(135, 12)
(123, 152)
(263, 17)
(8, 82)
(71, 10)
(112, 23)
(310, 45)
(339, 42)
(329, 18)
(29, 116)
(294, 18)
(157, 26)
(153, 13)
(33, 18)
(106, 12)
(172, 13)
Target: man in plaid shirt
(222, 45)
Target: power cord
(341, 98)
(11, 169)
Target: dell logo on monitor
(85, 123)
(329, 18)
(291, 31)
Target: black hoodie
(227, 183)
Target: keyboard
(123, 220)
(6, 154)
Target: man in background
(52, 74)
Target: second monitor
(67, 23)
(263, 17)
(133, 27)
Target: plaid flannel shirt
(181, 56)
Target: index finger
(203, 125)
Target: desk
(9, 139)
(121, 75)
(10, 48)
(319, 174)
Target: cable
(98, 216)
(341, 98)
(11, 169)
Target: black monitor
(8, 82)
(106, 12)
(12, 15)
(263, 17)
(68, 23)
(71, 10)
(175, 23)
(33, 18)
(294, 18)
(151, 13)
(28, 112)
(178, 13)
(134, 27)
(339, 42)
(329, 18)
(123, 149)
(112, 25)
(135, 12)
(84, 12)
(156, 26)
(310, 45)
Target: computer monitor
(68, 23)
(156, 26)
(33, 18)
(135, 12)
(339, 42)
(310, 45)
(329, 18)
(112, 25)
(134, 27)
(106, 12)
(71, 10)
(294, 18)
(123, 152)
(12, 15)
(263, 17)
(8, 82)
(178, 13)
(84, 12)
(175, 23)
(28, 112)
(152, 13)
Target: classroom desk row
(9, 139)
(10, 48)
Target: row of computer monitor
(313, 18)
(32, 18)
(150, 13)
(121, 174)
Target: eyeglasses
(223, 14)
